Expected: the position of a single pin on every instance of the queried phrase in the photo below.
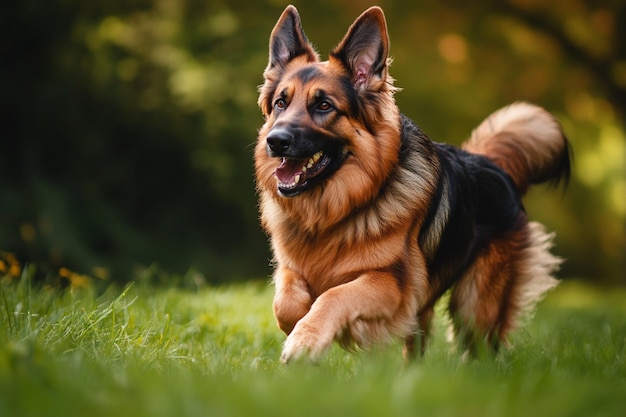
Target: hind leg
(509, 276)
(481, 300)
(424, 319)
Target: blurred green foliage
(128, 126)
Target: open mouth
(295, 175)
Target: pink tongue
(288, 169)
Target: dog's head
(330, 127)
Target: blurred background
(128, 126)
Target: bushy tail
(526, 141)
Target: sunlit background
(128, 126)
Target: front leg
(372, 296)
(292, 299)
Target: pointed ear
(288, 40)
(364, 49)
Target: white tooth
(314, 159)
(296, 178)
(304, 168)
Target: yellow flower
(9, 265)
(76, 280)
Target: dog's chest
(327, 261)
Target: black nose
(280, 140)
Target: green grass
(154, 351)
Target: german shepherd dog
(371, 222)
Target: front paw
(305, 342)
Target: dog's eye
(280, 104)
(324, 106)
